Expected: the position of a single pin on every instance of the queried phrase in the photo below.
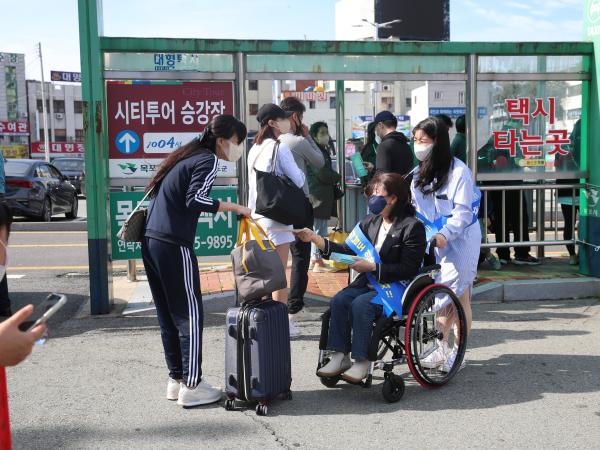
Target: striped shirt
(183, 195)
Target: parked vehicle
(38, 189)
(74, 170)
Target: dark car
(74, 170)
(38, 189)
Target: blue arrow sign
(127, 142)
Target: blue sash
(388, 295)
(431, 228)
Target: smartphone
(344, 259)
(43, 311)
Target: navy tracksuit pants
(174, 280)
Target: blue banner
(388, 295)
(431, 228)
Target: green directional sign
(216, 234)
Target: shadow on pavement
(58, 436)
(507, 380)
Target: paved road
(532, 382)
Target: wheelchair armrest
(431, 268)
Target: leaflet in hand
(344, 259)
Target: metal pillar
(240, 106)
(472, 63)
(540, 198)
(96, 155)
(341, 140)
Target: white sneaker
(173, 387)
(450, 362)
(337, 364)
(436, 357)
(294, 332)
(203, 394)
(304, 316)
(357, 373)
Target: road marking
(14, 277)
(46, 245)
(48, 232)
(60, 267)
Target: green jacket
(321, 184)
(369, 154)
(459, 147)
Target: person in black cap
(274, 122)
(393, 152)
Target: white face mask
(377, 139)
(422, 151)
(323, 140)
(234, 151)
(284, 126)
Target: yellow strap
(257, 237)
(242, 227)
(249, 229)
(254, 225)
(244, 258)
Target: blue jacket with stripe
(182, 196)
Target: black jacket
(394, 154)
(183, 194)
(401, 253)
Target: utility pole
(44, 112)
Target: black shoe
(526, 261)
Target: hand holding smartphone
(44, 311)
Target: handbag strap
(142, 201)
(274, 156)
(250, 228)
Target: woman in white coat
(274, 122)
(447, 201)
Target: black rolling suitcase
(257, 354)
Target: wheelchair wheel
(436, 336)
(330, 382)
(393, 388)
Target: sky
(55, 23)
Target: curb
(492, 292)
(530, 290)
(63, 225)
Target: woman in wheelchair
(399, 240)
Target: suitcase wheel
(229, 405)
(261, 410)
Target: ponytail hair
(223, 126)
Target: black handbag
(278, 198)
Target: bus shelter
(523, 102)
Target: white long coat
(454, 200)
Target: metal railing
(544, 222)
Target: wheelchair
(432, 320)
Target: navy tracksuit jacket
(172, 267)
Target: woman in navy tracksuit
(180, 192)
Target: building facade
(14, 129)
(64, 107)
